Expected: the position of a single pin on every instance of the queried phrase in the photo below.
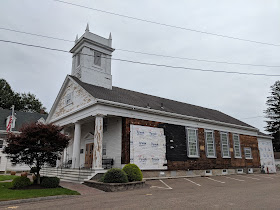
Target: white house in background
(110, 126)
(19, 120)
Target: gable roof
(21, 118)
(264, 135)
(130, 97)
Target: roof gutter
(169, 114)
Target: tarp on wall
(267, 155)
(147, 147)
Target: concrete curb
(4, 203)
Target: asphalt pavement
(250, 191)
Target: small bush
(41, 179)
(115, 175)
(20, 182)
(50, 182)
(101, 179)
(133, 172)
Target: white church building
(110, 126)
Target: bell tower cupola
(91, 61)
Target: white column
(98, 138)
(76, 146)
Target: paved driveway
(257, 191)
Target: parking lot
(248, 191)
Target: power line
(33, 34)
(252, 117)
(149, 64)
(199, 60)
(168, 25)
(146, 53)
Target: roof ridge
(136, 98)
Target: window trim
(228, 145)
(71, 99)
(214, 143)
(78, 61)
(94, 51)
(250, 149)
(237, 157)
(197, 143)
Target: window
(1, 143)
(225, 145)
(210, 144)
(97, 58)
(104, 151)
(192, 142)
(68, 99)
(236, 145)
(248, 153)
(78, 59)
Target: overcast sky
(42, 72)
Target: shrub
(20, 182)
(41, 179)
(50, 182)
(115, 175)
(23, 174)
(101, 179)
(13, 173)
(133, 172)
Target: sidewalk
(82, 189)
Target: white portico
(95, 135)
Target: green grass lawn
(8, 194)
(7, 177)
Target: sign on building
(147, 147)
(267, 155)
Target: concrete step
(69, 175)
(67, 172)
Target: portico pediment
(89, 136)
(72, 97)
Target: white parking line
(215, 180)
(235, 179)
(261, 176)
(167, 187)
(192, 182)
(249, 177)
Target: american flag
(9, 124)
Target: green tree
(26, 102)
(273, 115)
(37, 144)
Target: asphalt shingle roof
(142, 100)
(21, 118)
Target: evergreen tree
(273, 114)
(26, 102)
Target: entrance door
(89, 155)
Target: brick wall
(177, 158)
(126, 135)
(220, 163)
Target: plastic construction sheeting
(267, 155)
(147, 147)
